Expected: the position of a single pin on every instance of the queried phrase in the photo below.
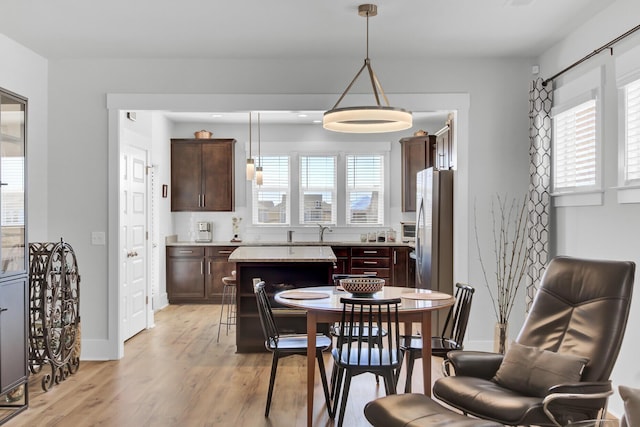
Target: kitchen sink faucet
(322, 230)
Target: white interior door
(133, 239)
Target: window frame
(381, 196)
(327, 149)
(626, 71)
(566, 97)
(628, 190)
(255, 190)
(333, 220)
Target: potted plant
(509, 227)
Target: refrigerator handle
(419, 220)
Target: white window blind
(318, 190)
(574, 147)
(12, 191)
(632, 132)
(271, 199)
(365, 189)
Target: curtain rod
(595, 52)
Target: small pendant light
(259, 167)
(250, 162)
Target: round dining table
(322, 304)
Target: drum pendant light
(250, 162)
(367, 119)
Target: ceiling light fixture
(367, 119)
(250, 162)
(259, 167)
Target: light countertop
(265, 243)
(282, 254)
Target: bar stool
(228, 302)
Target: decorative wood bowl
(362, 285)
(203, 134)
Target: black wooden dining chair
(334, 329)
(453, 332)
(287, 345)
(356, 353)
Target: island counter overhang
(270, 254)
(280, 267)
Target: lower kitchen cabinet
(402, 274)
(194, 273)
(372, 260)
(218, 266)
(391, 263)
(342, 259)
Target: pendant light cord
(367, 57)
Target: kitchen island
(281, 268)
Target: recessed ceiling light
(317, 121)
(216, 116)
(302, 115)
(518, 2)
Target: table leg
(312, 328)
(426, 352)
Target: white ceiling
(290, 28)
(75, 29)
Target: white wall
(612, 230)
(497, 157)
(25, 73)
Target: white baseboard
(97, 350)
(160, 302)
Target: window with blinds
(12, 191)
(271, 199)
(632, 132)
(365, 189)
(318, 190)
(574, 148)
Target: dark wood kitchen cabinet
(402, 273)
(417, 154)
(342, 259)
(202, 174)
(372, 260)
(218, 266)
(443, 158)
(194, 273)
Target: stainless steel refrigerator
(434, 235)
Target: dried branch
(510, 252)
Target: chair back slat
(464, 296)
(267, 320)
(370, 333)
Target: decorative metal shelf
(54, 311)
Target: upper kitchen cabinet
(417, 154)
(444, 146)
(202, 174)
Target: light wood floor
(177, 375)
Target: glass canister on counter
(391, 235)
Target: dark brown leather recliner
(581, 309)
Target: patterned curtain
(539, 203)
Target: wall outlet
(98, 238)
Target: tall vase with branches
(509, 226)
